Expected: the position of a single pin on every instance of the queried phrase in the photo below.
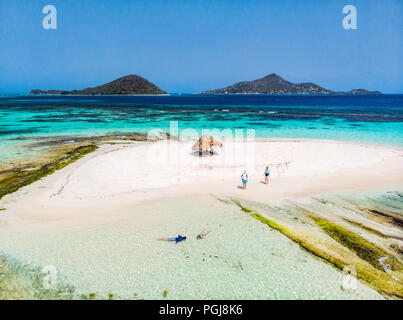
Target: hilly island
(270, 84)
(274, 84)
(127, 85)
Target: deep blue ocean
(367, 118)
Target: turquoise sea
(242, 258)
(368, 118)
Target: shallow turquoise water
(240, 258)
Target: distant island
(274, 84)
(127, 85)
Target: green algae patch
(366, 250)
(21, 179)
(390, 216)
(270, 223)
(305, 245)
(243, 208)
(340, 256)
(397, 248)
(224, 200)
(367, 228)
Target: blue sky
(191, 45)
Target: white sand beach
(119, 175)
(97, 219)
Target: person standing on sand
(266, 175)
(244, 177)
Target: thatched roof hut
(206, 143)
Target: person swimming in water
(244, 178)
(266, 175)
(202, 234)
(179, 238)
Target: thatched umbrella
(206, 143)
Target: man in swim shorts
(244, 177)
(179, 238)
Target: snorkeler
(202, 234)
(179, 238)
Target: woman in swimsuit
(266, 175)
(202, 234)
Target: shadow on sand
(204, 154)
